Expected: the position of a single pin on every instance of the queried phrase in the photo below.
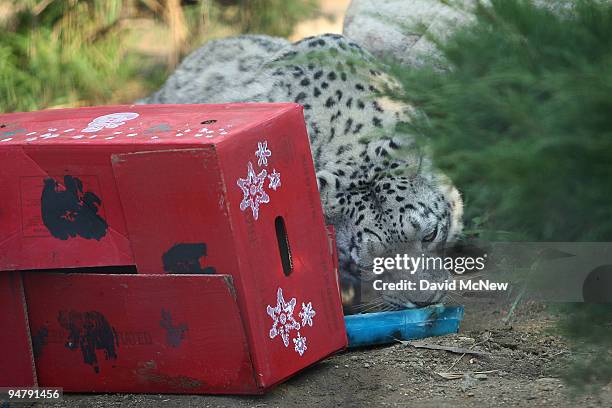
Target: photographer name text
(447, 285)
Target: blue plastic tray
(386, 327)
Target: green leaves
(519, 117)
(61, 53)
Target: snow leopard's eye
(431, 236)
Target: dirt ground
(522, 366)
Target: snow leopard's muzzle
(365, 288)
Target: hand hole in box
(283, 245)
(208, 122)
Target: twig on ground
(456, 350)
(459, 375)
(487, 338)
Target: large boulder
(399, 29)
(396, 28)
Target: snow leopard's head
(415, 215)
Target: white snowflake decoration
(252, 188)
(307, 314)
(275, 181)
(262, 153)
(282, 315)
(300, 344)
(112, 121)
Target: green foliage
(520, 118)
(56, 53)
(274, 17)
(517, 112)
(589, 326)
(45, 61)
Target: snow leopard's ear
(328, 184)
(326, 181)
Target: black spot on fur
(297, 72)
(301, 96)
(322, 182)
(342, 149)
(348, 125)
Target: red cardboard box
(140, 333)
(16, 359)
(217, 191)
(60, 205)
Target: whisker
(368, 306)
(464, 277)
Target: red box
(140, 333)
(44, 154)
(16, 359)
(212, 190)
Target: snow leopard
(377, 185)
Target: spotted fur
(377, 188)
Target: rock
(481, 376)
(391, 28)
(468, 382)
(367, 365)
(395, 28)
